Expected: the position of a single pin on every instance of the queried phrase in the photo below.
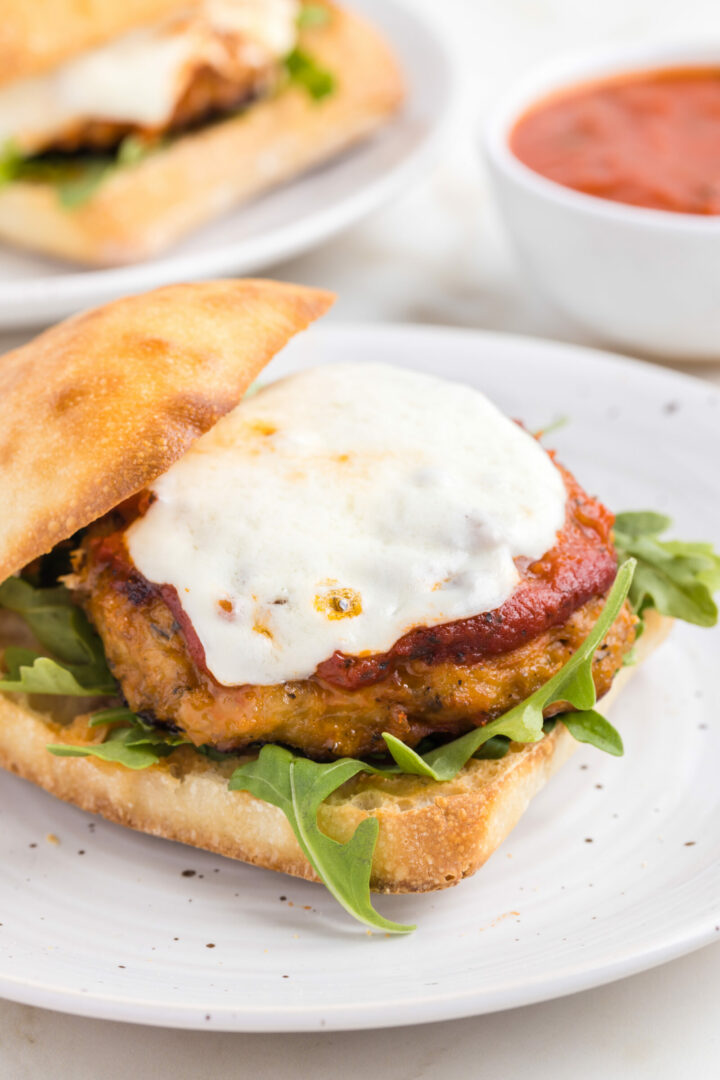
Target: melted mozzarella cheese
(339, 508)
(138, 78)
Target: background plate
(615, 868)
(35, 290)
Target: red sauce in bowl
(648, 139)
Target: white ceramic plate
(35, 290)
(615, 868)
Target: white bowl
(647, 280)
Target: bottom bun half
(431, 834)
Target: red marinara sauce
(648, 139)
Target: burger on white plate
(344, 626)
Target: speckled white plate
(36, 290)
(615, 868)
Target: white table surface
(438, 256)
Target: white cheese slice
(340, 508)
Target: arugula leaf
(494, 749)
(134, 744)
(54, 619)
(76, 177)
(78, 190)
(445, 762)
(553, 425)
(524, 723)
(11, 159)
(30, 673)
(115, 715)
(590, 727)
(118, 747)
(303, 70)
(312, 15)
(134, 149)
(298, 786)
(145, 735)
(675, 577)
(254, 388)
(636, 523)
(62, 628)
(708, 567)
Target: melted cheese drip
(340, 508)
(138, 78)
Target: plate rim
(685, 938)
(535, 342)
(370, 1016)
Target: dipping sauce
(648, 139)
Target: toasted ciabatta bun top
(37, 35)
(97, 408)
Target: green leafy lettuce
(75, 177)
(312, 16)
(298, 786)
(130, 741)
(11, 162)
(524, 723)
(77, 667)
(305, 72)
(674, 577)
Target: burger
(125, 126)
(343, 624)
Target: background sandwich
(125, 126)
(345, 632)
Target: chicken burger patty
(443, 680)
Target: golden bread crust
(142, 209)
(37, 35)
(431, 835)
(96, 408)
